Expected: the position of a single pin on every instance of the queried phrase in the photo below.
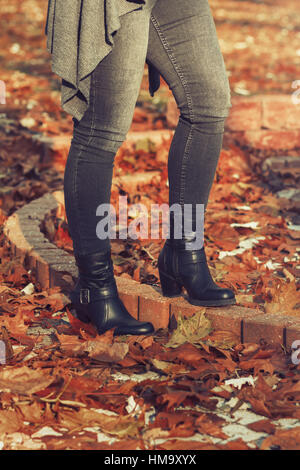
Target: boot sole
(211, 303)
(75, 311)
(204, 303)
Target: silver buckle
(84, 296)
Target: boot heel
(169, 286)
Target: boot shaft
(181, 238)
(95, 269)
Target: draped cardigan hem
(80, 33)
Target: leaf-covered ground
(193, 388)
(63, 386)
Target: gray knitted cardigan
(79, 35)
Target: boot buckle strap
(87, 295)
(84, 296)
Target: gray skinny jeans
(179, 38)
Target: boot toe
(227, 294)
(213, 297)
(217, 293)
(146, 328)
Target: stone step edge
(55, 267)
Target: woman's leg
(184, 47)
(115, 85)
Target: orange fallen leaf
(24, 380)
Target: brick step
(54, 267)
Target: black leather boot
(95, 297)
(181, 267)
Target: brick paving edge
(54, 267)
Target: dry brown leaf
(191, 329)
(206, 426)
(285, 299)
(24, 380)
(283, 439)
(96, 348)
(119, 426)
(105, 352)
(222, 339)
(10, 422)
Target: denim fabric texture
(179, 38)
